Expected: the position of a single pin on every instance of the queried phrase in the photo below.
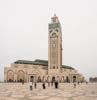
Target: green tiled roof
(39, 62)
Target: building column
(70, 78)
(15, 76)
(5, 76)
(26, 77)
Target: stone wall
(39, 73)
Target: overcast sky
(24, 32)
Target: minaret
(54, 46)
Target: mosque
(43, 70)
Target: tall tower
(54, 46)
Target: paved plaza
(17, 91)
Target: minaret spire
(55, 19)
(54, 46)
(54, 14)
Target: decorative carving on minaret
(55, 57)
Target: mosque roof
(39, 62)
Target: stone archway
(39, 79)
(36, 75)
(20, 76)
(10, 76)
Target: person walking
(22, 82)
(43, 85)
(56, 84)
(51, 83)
(86, 82)
(30, 83)
(35, 85)
(78, 82)
(74, 85)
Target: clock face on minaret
(54, 46)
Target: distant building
(42, 70)
(93, 79)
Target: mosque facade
(43, 70)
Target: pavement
(66, 91)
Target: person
(78, 82)
(86, 82)
(56, 84)
(22, 82)
(30, 83)
(43, 85)
(74, 85)
(35, 85)
(52, 83)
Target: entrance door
(32, 78)
(67, 79)
(74, 78)
(53, 79)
